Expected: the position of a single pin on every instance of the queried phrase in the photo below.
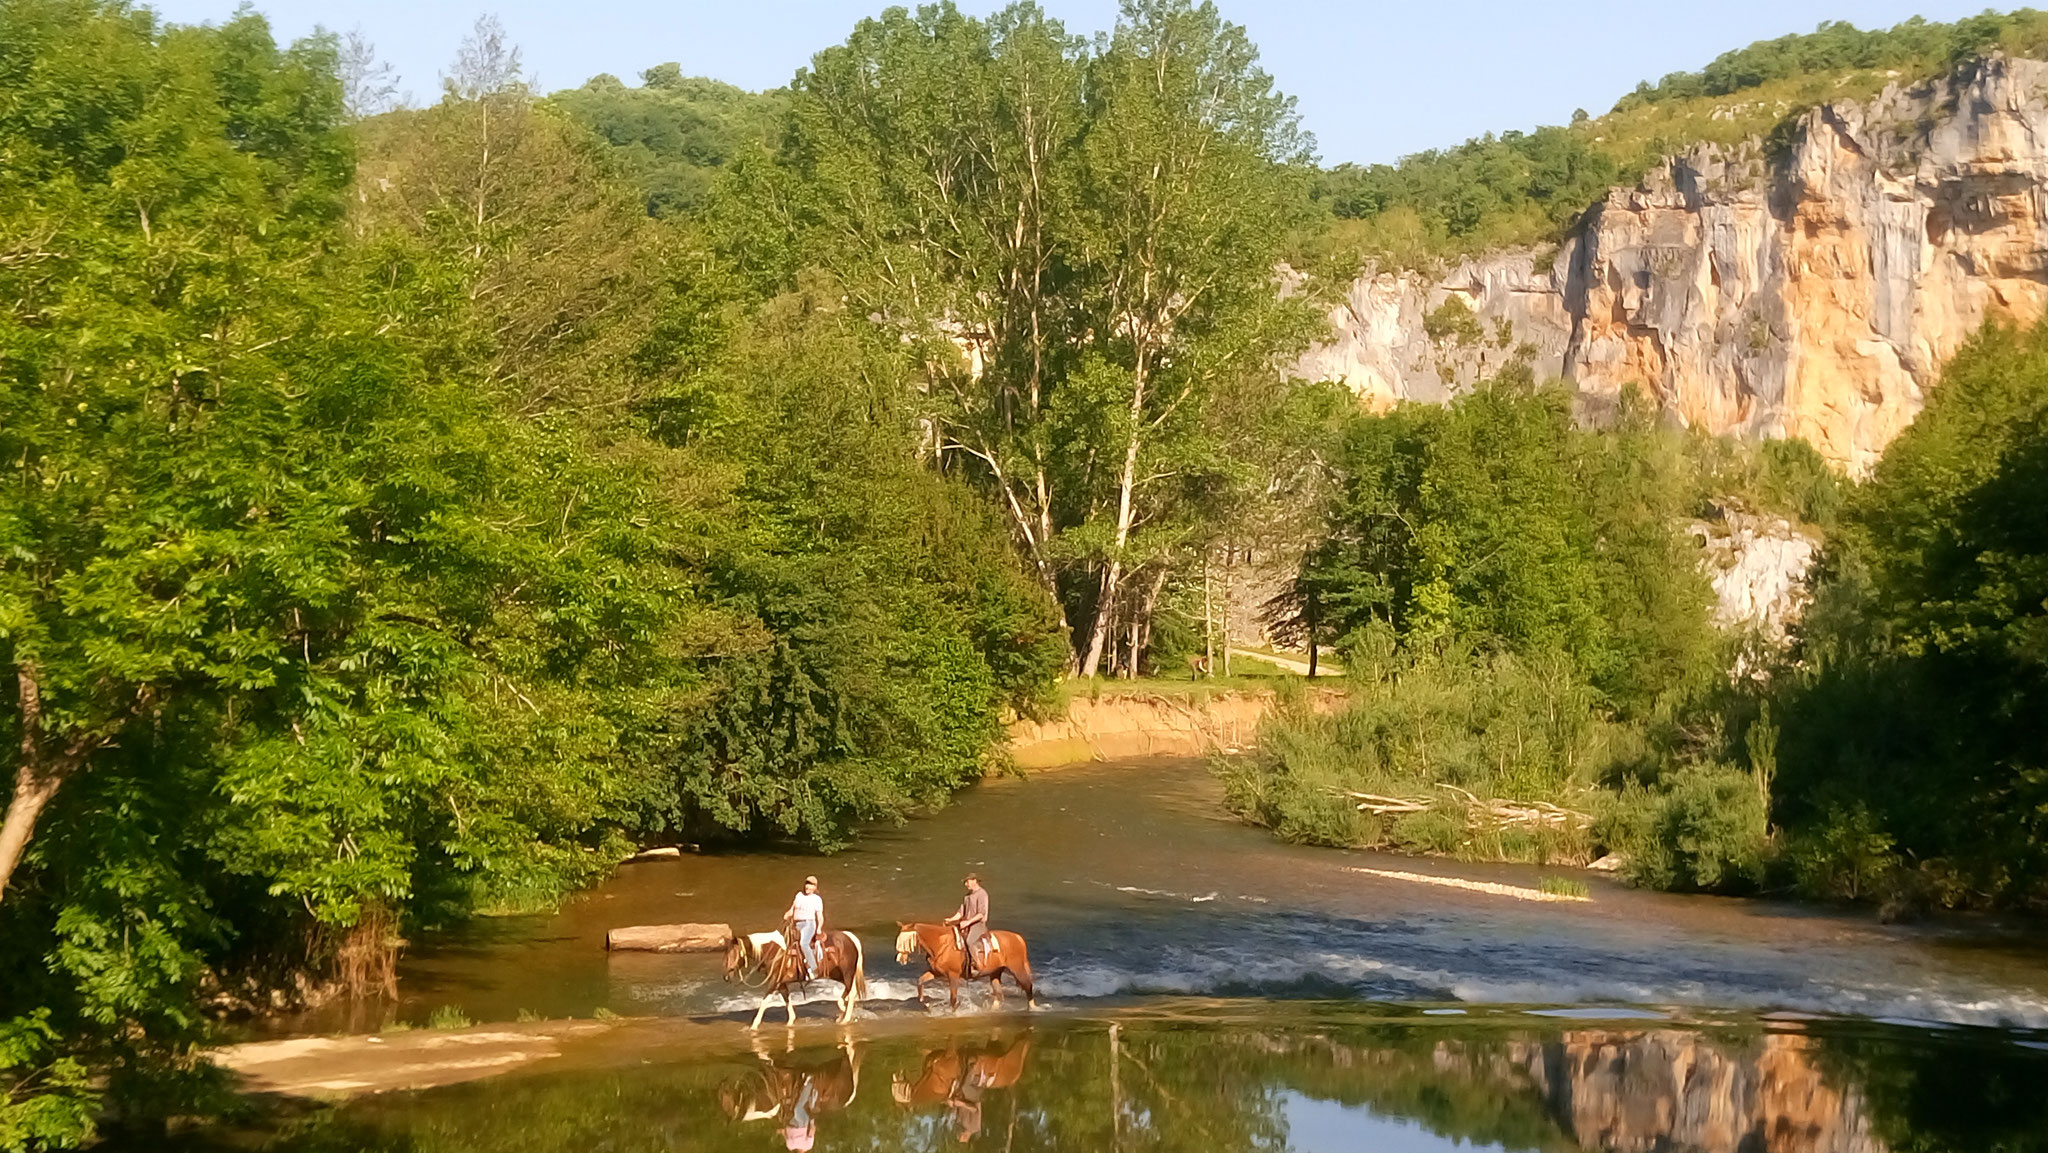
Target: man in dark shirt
(972, 922)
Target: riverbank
(1111, 722)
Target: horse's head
(906, 943)
(738, 957)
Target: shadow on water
(1312, 1078)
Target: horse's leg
(922, 978)
(763, 1009)
(953, 979)
(790, 1005)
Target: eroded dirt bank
(1122, 725)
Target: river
(1204, 986)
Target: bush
(1707, 831)
(1444, 731)
(1847, 857)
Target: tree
(369, 86)
(1077, 249)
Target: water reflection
(1267, 1079)
(794, 1091)
(960, 1078)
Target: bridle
(740, 974)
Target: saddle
(991, 955)
(795, 951)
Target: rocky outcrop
(1758, 567)
(1812, 292)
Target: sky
(1376, 80)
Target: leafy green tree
(674, 134)
(1913, 719)
(1497, 522)
(1077, 249)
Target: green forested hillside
(673, 135)
(1528, 187)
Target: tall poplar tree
(1077, 246)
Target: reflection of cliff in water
(1627, 1091)
(1249, 1078)
(1670, 1089)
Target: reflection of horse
(839, 959)
(945, 1071)
(776, 1090)
(960, 1080)
(943, 959)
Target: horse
(943, 959)
(840, 958)
(773, 1089)
(946, 1070)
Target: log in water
(668, 938)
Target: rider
(972, 923)
(807, 913)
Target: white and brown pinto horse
(840, 959)
(943, 959)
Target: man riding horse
(971, 922)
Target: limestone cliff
(1813, 290)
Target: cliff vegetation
(1526, 188)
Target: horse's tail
(1020, 967)
(859, 984)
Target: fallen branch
(1500, 812)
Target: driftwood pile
(1506, 813)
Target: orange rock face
(1814, 293)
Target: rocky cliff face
(1813, 292)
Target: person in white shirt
(807, 913)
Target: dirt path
(1297, 666)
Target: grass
(1563, 887)
(1078, 688)
(448, 1017)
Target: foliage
(394, 518)
(1496, 521)
(1917, 47)
(1527, 188)
(1704, 829)
(1437, 721)
(674, 134)
(1075, 246)
(45, 1100)
(1912, 720)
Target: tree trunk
(1311, 635)
(1141, 624)
(36, 780)
(1208, 620)
(1105, 613)
(1126, 492)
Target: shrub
(1707, 831)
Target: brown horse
(943, 960)
(946, 1070)
(840, 959)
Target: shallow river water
(1204, 987)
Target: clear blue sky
(1376, 80)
